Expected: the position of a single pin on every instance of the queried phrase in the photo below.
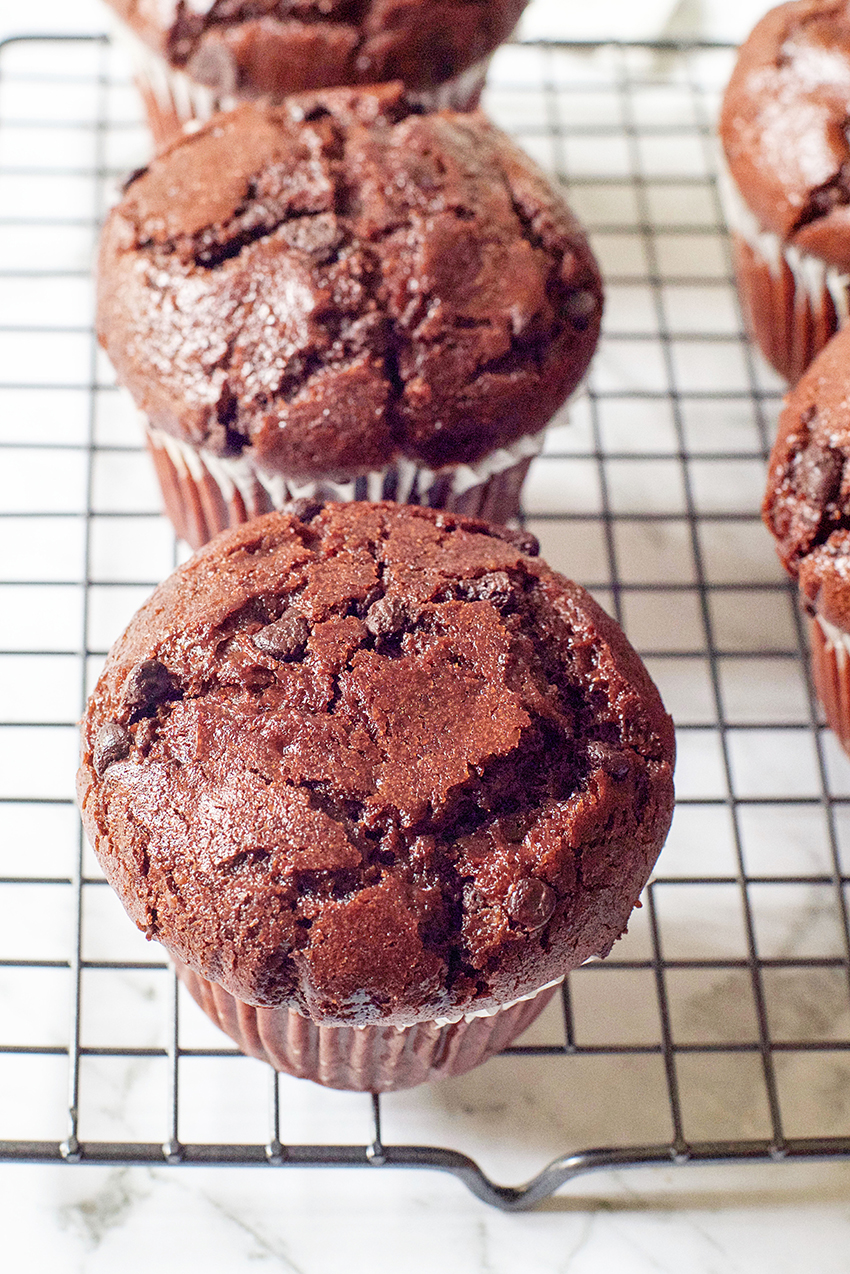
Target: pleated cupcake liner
(373, 1059)
(174, 101)
(830, 647)
(204, 494)
(792, 302)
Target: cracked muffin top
(254, 47)
(784, 126)
(376, 763)
(340, 280)
(807, 503)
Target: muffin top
(377, 763)
(783, 126)
(252, 47)
(807, 503)
(339, 280)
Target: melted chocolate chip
(495, 587)
(112, 744)
(148, 685)
(531, 903)
(304, 509)
(611, 759)
(834, 193)
(285, 639)
(817, 474)
(387, 615)
(579, 307)
(521, 539)
(513, 827)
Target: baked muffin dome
(248, 48)
(378, 764)
(783, 126)
(787, 192)
(324, 286)
(807, 502)
(807, 509)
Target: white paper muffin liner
(376, 1059)
(792, 302)
(830, 648)
(175, 102)
(204, 494)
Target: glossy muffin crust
(376, 763)
(254, 47)
(338, 281)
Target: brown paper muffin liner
(173, 100)
(204, 494)
(792, 302)
(789, 323)
(371, 1059)
(830, 648)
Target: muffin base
(371, 1059)
(174, 101)
(792, 302)
(830, 647)
(204, 494)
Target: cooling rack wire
(719, 1029)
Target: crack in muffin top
(254, 47)
(378, 764)
(339, 280)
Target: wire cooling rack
(719, 1029)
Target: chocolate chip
(531, 903)
(304, 509)
(495, 587)
(521, 539)
(513, 827)
(149, 684)
(610, 759)
(285, 639)
(579, 306)
(112, 744)
(817, 474)
(387, 615)
(832, 194)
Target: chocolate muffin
(195, 57)
(807, 508)
(375, 776)
(787, 193)
(342, 297)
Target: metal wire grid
(720, 1028)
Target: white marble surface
(756, 1220)
(98, 1221)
